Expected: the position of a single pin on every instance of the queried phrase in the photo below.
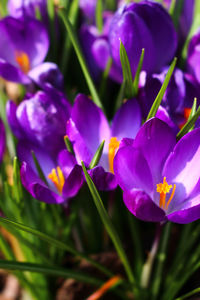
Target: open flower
(160, 178)
(23, 45)
(88, 127)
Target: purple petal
(142, 206)
(132, 171)
(90, 122)
(101, 54)
(66, 161)
(36, 187)
(127, 120)
(12, 73)
(47, 73)
(183, 161)
(11, 109)
(187, 212)
(156, 140)
(73, 182)
(104, 181)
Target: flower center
(23, 61)
(57, 177)
(113, 146)
(163, 189)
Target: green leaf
(99, 15)
(108, 225)
(72, 15)
(190, 123)
(17, 186)
(39, 169)
(137, 74)
(53, 242)
(68, 144)
(193, 292)
(163, 88)
(126, 69)
(80, 57)
(53, 271)
(97, 156)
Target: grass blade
(53, 242)
(137, 74)
(126, 69)
(97, 156)
(108, 225)
(163, 88)
(99, 15)
(31, 267)
(80, 57)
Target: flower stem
(147, 267)
(161, 260)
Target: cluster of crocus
(142, 156)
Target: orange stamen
(104, 288)
(186, 113)
(163, 189)
(23, 61)
(113, 146)
(57, 177)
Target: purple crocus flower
(88, 8)
(88, 127)
(2, 140)
(193, 59)
(185, 11)
(23, 45)
(28, 8)
(39, 121)
(154, 173)
(178, 98)
(136, 25)
(96, 48)
(61, 183)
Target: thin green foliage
(97, 156)
(108, 225)
(163, 88)
(80, 57)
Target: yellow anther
(23, 61)
(163, 189)
(113, 146)
(57, 177)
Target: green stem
(147, 268)
(161, 261)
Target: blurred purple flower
(39, 121)
(88, 127)
(193, 59)
(28, 8)
(23, 46)
(178, 97)
(154, 174)
(136, 25)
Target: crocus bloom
(23, 45)
(88, 7)
(61, 183)
(28, 8)
(2, 140)
(193, 59)
(88, 127)
(136, 25)
(96, 48)
(178, 98)
(39, 121)
(154, 173)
